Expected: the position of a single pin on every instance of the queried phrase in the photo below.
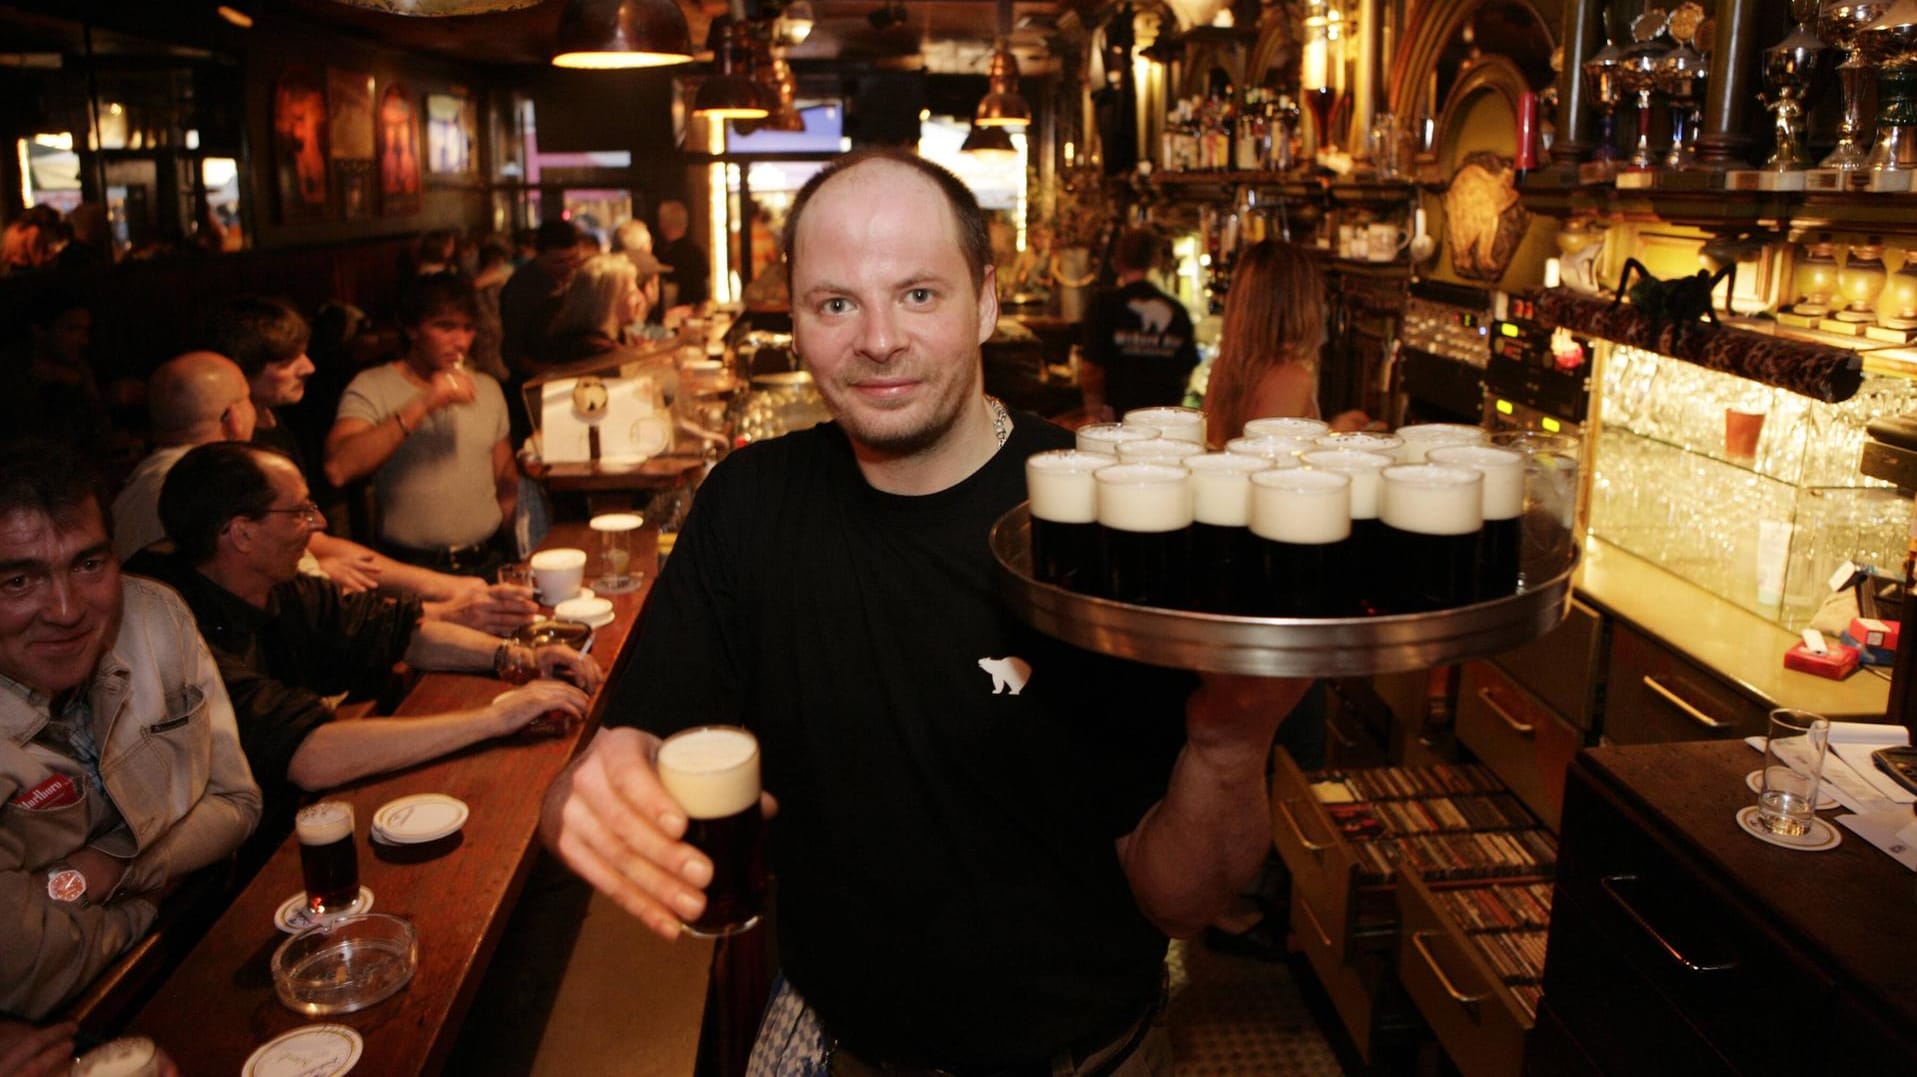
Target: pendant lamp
(1002, 106)
(606, 34)
(729, 92)
(989, 144)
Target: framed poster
(451, 127)
(299, 144)
(350, 140)
(398, 151)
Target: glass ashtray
(347, 964)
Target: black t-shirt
(949, 893)
(1143, 339)
(690, 268)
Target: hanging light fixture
(990, 144)
(784, 92)
(729, 93)
(1002, 106)
(604, 34)
(794, 23)
(239, 13)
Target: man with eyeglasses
(239, 517)
(202, 397)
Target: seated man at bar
(239, 516)
(433, 435)
(1138, 341)
(120, 765)
(983, 835)
(201, 397)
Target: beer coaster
(419, 818)
(293, 916)
(1821, 836)
(311, 1051)
(1825, 802)
(592, 612)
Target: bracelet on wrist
(400, 418)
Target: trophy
(1637, 74)
(1789, 67)
(1600, 78)
(1838, 23)
(1679, 76)
(1890, 42)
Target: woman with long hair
(603, 299)
(1274, 327)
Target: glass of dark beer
(1303, 521)
(1065, 517)
(1144, 524)
(713, 773)
(1432, 515)
(1420, 438)
(1179, 424)
(1501, 542)
(329, 857)
(1553, 519)
(1225, 557)
(1366, 471)
(1160, 450)
(1303, 429)
(1107, 437)
(1361, 441)
(1281, 451)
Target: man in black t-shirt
(687, 286)
(983, 835)
(1138, 346)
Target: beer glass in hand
(713, 772)
(329, 858)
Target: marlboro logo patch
(56, 792)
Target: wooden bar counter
(220, 1005)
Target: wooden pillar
(1726, 141)
(1583, 35)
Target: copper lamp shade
(990, 143)
(1002, 106)
(603, 34)
(730, 93)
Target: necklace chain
(1001, 419)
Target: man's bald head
(199, 397)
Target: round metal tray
(1281, 646)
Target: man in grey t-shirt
(434, 437)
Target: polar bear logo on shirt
(1155, 315)
(1008, 673)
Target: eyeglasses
(306, 510)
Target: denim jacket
(171, 765)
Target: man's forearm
(448, 646)
(1201, 844)
(339, 752)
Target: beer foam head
(1221, 487)
(1302, 507)
(1106, 437)
(324, 823)
(713, 772)
(1366, 470)
(1421, 438)
(1282, 452)
(1386, 444)
(1180, 424)
(1144, 498)
(1061, 487)
(559, 557)
(1162, 450)
(1430, 499)
(124, 1057)
(1286, 428)
(1503, 472)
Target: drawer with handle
(1655, 697)
(1521, 739)
(1324, 867)
(1463, 994)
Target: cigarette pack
(1841, 662)
(1874, 632)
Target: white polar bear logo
(1154, 314)
(1009, 672)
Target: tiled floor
(1241, 1017)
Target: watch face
(67, 884)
